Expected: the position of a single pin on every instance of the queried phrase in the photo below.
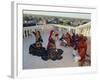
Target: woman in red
(52, 39)
(82, 49)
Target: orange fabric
(82, 48)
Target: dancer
(53, 52)
(38, 36)
(51, 40)
(82, 49)
(66, 39)
(36, 48)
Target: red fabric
(82, 48)
(49, 39)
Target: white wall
(84, 29)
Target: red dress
(82, 48)
(49, 39)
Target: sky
(60, 14)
